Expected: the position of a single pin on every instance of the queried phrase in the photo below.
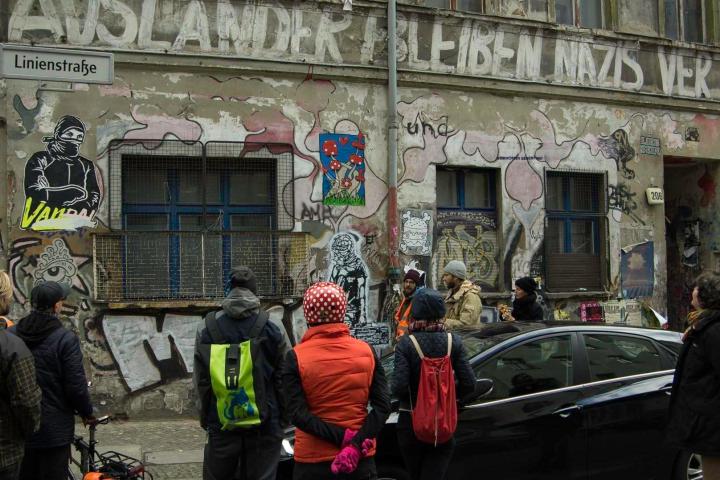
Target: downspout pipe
(392, 136)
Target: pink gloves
(346, 461)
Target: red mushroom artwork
(343, 166)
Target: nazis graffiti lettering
(62, 189)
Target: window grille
(575, 231)
(184, 214)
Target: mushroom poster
(343, 167)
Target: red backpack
(434, 417)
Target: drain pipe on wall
(392, 135)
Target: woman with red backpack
(431, 372)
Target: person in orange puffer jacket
(330, 379)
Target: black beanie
(428, 304)
(527, 283)
(243, 277)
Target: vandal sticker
(62, 191)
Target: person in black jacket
(252, 452)
(60, 374)
(425, 461)
(694, 423)
(525, 306)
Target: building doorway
(692, 240)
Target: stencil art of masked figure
(60, 177)
(350, 273)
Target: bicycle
(104, 466)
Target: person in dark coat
(254, 452)
(425, 461)
(60, 374)
(20, 398)
(694, 420)
(525, 306)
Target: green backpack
(236, 376)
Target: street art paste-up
(417, 229)
(470, 237)
(617, 146)
(343, 165)
(349, 271)
(691, 244)
(637, 270)
(62, 191)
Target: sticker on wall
(637, 270)
(591, 312)
(417, 229)
(343, 165)
(62, 191)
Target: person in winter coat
(255, 451)
(425, 461)
(463, 303)
(61, 376)
(330, 379)
(411, 282)
(6, 295)
(525, 306)
(694, 421)
(20, 398)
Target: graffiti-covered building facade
(573, 141)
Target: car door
(528, 427)
(625, 408)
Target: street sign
(56, 64)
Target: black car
(567, 401)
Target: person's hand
(346, 461)
(367, 445)
(89, 420)
(347, 438)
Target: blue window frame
(575, 232)
(474, 190)
(193, 197)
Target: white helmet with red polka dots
(324, 302)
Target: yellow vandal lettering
(29, 218)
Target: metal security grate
(184, 214)
(195, 265)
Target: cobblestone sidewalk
(170, 449)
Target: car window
(615, 356)
(536, 366)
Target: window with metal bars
(575, 231)
(184, 214)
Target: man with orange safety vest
(411, 282)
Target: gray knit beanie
(457, 269)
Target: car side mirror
(483, 387)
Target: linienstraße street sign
(56, 64)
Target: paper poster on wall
(591, 312)
(62, 190)
(416, 237)
(637, 270)
(343, 166)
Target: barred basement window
(183, 214)
(575, 231)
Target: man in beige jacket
(463, 299)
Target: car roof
(512, 329)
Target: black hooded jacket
(238, 315)
(60, 374)
(694, 423)
(527, 309)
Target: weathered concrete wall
(139, 356)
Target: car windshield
(474, 341)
